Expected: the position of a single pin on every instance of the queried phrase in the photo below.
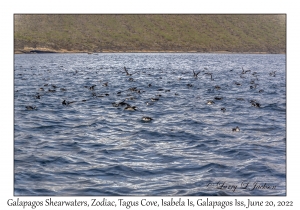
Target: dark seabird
(133, 89)
(147, 119)
(208, 73)
(223, 109)
(105, 84)
(255, 104)
(149, 85)
(122, 103)
(154, 99)
(130, 108)
(30, 107)
(189, 85)
(52, 91)
(236, 129)
(239, 84)
(217, 87)
(63, 89)
(67, 102)
(127, 71)
(196, 74)
(260, 91)
(245, 71)
(218, 98)
(209, 102)
(92, 87)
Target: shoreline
(47, 50)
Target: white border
(154, 6)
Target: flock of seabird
(128, 107)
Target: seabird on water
(130, 108)
(147, 119)
(30, 107)
(209, 102)
(154, 99)
(236, 129)
(67, 102)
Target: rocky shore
(47, 50)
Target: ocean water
(91, 146)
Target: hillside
(144, 33)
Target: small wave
(93, 148)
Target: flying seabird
(127, 73)
(92, 87)
(196, 74)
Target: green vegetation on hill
(146, 32)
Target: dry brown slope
(201, 33)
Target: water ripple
(91, 146)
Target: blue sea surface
(92, 145)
